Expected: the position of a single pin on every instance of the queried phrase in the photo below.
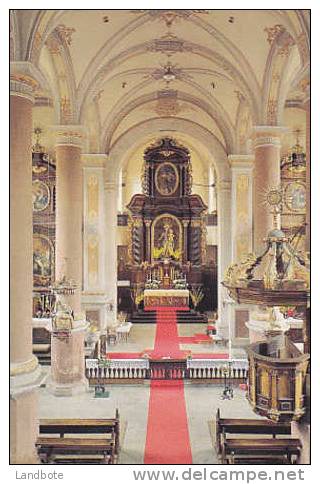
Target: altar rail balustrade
(216, 371)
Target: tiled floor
(142, 337)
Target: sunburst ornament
(273, 197)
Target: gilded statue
(239, 272)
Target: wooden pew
(272, 459)
(286, 448)
(72, 450)
(82, 426)
(247, 426)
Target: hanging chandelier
(295, 159)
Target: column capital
(69, 135)
(25, 80)
(94, 160)
(241, 162)
(267, 135)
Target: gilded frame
(168, 163)
(154, 223)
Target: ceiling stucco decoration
(168, 73)
(167, 103)
(226, 74)
(168, 44)
(65, 33)
(169, 17)
(279, 35)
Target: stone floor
(132, 401)
(142, 337)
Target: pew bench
(287, 448)
(270, 459)
(71, 426)
(51, 449)
(247, 426)
(63, 459)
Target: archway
(128, 143)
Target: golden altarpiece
(167, 221)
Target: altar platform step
(183, 317)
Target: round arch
(156, 126)
(144, 131)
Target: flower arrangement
(196, 295)
(180, 284)
(152, 284)
(137, 296)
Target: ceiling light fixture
(168, 75)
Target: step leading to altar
(185, 316)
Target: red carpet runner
(167, 439)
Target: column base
(67, 389)
(302, 431)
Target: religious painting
(166, 238)
(295, 197)
(43, 260)
(167, 178)
(40, 196)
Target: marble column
(110, 194)
(224, 252)
(266, 175)
(69, 207)
(67, 354)
(25, 373)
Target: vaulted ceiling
(111, 70)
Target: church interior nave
(160, 236)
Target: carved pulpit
(167, 226)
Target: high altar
(167, 228)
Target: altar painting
(166, 238)
(43, 260)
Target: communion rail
(215, 371)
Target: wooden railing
(216, 371)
